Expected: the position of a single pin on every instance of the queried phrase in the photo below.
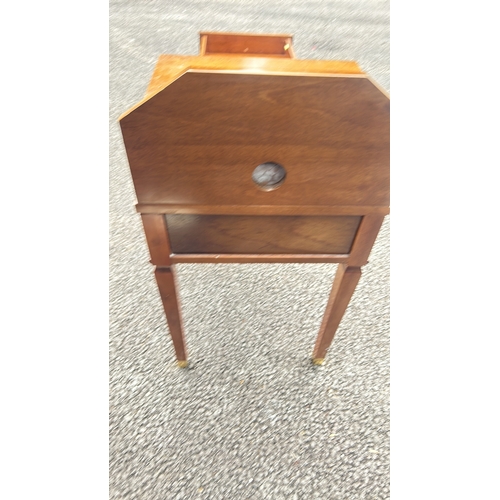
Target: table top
(207, 122)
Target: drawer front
(237, 234)
(246, 44)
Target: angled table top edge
(170, 67)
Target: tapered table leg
(166, 284)
(344, 284)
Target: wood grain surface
(199, 140)
(169, 208)
(169, 67)
(365, 238)
(247, 44)
(156, 233)
(261, 234)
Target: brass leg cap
(318, 361)
(182, 364)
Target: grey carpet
(251, 418)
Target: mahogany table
(246, 154)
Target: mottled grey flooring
(251, 418)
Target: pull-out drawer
(249, 45)
(241, 234)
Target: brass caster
(318, 361)
(182, 364)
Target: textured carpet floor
(251, 418)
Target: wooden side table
(246, 154)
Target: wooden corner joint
(352, 269)
(160, 266)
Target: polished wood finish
(169, 208)
(242, 43)
(204, 125)
(240, 234)
(332, 147)
(157, 237)
(344, 284)
(170, 67)
(365, 238)
(166, 284)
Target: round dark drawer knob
(269, 176)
